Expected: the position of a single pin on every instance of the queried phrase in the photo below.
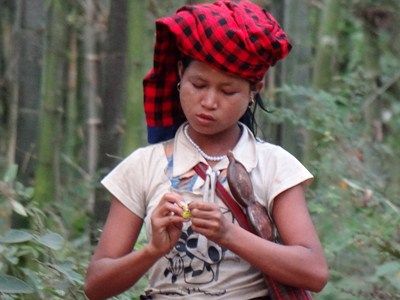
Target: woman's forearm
(108, 277)
(293, 265)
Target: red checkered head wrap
(237, 37)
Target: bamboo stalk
(134, 116)
(13, 75)
(47, 177)
(324, 60)
(72, 102)
(93, 100)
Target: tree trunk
(29, 51)
(296, 70)
(71, 124)
(46, 185)
(327, 45)
(271, 132)
(93, 99)
(112, 99)
(372, 106)
(134, 116)
(72, 121)
(394, 187)
(8, 103)
(323, 70)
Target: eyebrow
(204, 79)
(197, 77)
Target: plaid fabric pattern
(237, 37)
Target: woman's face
(212, 101)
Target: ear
(180, 69)
(258, 86)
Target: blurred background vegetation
(71, 109)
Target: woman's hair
(249, 117)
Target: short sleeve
(126, 182)
(286, 172)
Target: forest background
(71, 108)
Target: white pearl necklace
(205, 155)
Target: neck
(215, 146)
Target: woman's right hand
(166, 223)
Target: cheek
(187, 94)
(186, 100)
(241, 106)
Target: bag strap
(224, 195)
(278, 291)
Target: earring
(178, 86)
(252, 101)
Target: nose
(209, 99)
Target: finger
(202, 205)
(206, 224)
(209, 232)
(167, 209)
(210, 212)
(172, 209)
(170, 203)
(171, 197)
(168, 220)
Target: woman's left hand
(208, 220)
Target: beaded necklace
(197, 147)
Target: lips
(205, 117)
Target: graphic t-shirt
(197, 268)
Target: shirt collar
(185, 156)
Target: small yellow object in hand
(186, 214)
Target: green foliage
(37, 263)
(354, 200)
(12, 285)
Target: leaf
(16, 236)
(388, 269)
(33, 277)
(395, 280)
(25, 192)
(67, 270)
(52, 240)
(13, 285)
(18, 208)
(11, 174)
(28, 192)
(11, 255)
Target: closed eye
(229, 93)
(198, 85)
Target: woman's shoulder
(146, 156)
(147, 151)
(270, 154)
(268, 149)
(263, 149)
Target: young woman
(209, 63)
